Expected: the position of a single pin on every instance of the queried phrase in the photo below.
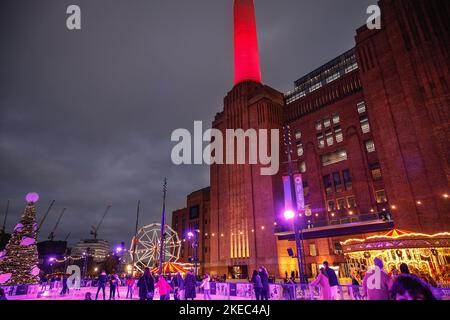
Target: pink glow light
(32, 197)
(289, 214)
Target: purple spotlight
(52, 259)
(32, 197)
(289, 214)
(119, 249)
(190, 234)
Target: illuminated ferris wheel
(148, 243)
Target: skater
(101, 284)
(333, 280)
(189, 286)
(206, 287)
(65, 288)
(410, 287)
(178, 285)
(257, 285)
(164, 288)
(265, 292)
(112, 287)
(324, 284)
(383, 281)
(88, 296)
(146, 285)
(119, 283)
(2, 294)
(130, 287)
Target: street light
(193, 236)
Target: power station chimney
(246, 56)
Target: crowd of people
(372, 284)
(377, 284)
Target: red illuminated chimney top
(246, 56)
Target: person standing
(164, 288)
(189, 286)
(265, 283)
(178, 284)
(257, 285)
(206, 287)
(324, 284)
(112, 287)
(332, 279)
(146, 285)
(65, 288)
(377, 283)
(130, 286)
(404, 269)
(2, 294)
(101, 284)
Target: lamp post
(193, 236)
(293, 214)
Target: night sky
(86, 116)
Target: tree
(19, 264)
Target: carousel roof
(170, 267)
(396, 233)
(397, 238)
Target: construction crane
(6, 216)
(94, 230)
(51, 236)
(45, 216)
(67, 237)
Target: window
(380, 196)
(336, 118)
(351, 68)
(331, 206)
(337, 182)
(361, 107)
(375, 170)
(370, 146)
(315, 87)
(351, 202)
(299, 149)
(302, 167)
(327, 184)
(334, 157)
(312, 250)
(298, 135)
(365, 126)
(333, 77)
(319, 125)
(347, 179)
(194, 212)
(341, 204)
(305, 188)
(326, 123)
(338, 134)
(329, 137)
(321, 141)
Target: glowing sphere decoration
(289, 214)
(32, 197)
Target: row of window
(341, 204)
(337, 181)
(326, 123)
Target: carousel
(423, 253)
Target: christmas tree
(19, 262)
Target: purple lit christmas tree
(19, 262)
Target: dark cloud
(86, 116)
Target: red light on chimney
(246, 55)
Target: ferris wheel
(148, 242)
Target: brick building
(371, 138)
(194, 217)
